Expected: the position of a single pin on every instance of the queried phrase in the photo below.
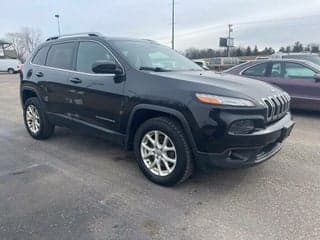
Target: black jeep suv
(149, 98)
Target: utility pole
(230, 30)
(172, 36)
(57, 16)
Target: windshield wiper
(155, 69)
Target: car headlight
(221, 100)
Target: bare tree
(24, 42)
(17, 45)
(31, 38)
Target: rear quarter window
(41, 55)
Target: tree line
(195, 53)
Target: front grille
(277, 106)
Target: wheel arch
(29, 92)
(143, 112)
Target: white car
(202, 64)
(10, 65)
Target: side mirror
(106, 67)
(317, 77)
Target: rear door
(97, 98)
(56, 74)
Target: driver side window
(89, 53)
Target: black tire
(184, 163)
(11, 71)
(46, 128)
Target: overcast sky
(198, 23)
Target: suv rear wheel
(162, 151)
(36, 120)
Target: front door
(298, 80)
(97, 98)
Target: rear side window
(89, 53)
(259, 70)
(40, 57)
(61, 56)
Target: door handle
(75, 80)
(39, 74)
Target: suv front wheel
(36, 121)
(162, 151)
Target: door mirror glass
(105, 66)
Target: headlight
(220, 100)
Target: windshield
(312, 58)
(151, 56)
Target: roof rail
(90, 34)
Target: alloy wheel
(158, 153)
(33, 119)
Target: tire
(173, 172)
(11, 71)
(43, 129)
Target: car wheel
(36, 121)
(10, 71)
(162, 151)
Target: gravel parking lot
(74, 186)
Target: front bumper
(249, 149)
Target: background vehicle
(202, 64)
(151, 99)
(223, 63)
(9, 65)
(301, 79)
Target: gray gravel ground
(74, 186)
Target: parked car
(223, 63)
(301, 79)
(262, 57)
(202, 64)
(10, 66)
(308, 56)
(172, 115)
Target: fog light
(242, 127)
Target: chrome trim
(106, 119)
(277, 106)
(75, 35)
(72, 71)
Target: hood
(216, 83)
